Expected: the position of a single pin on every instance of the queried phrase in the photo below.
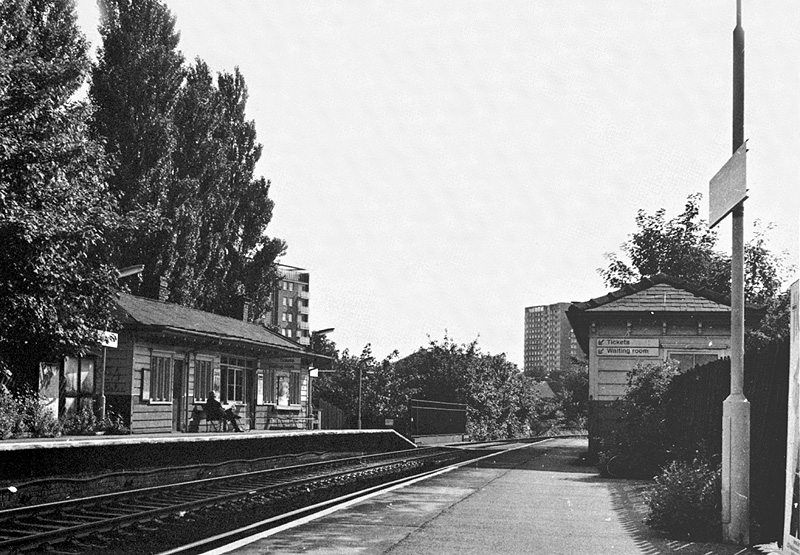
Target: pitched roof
(656, 294)
(683, 296)
(543, 390)
(150, 313)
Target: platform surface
(173, 437)
(534, 500)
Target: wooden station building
(169, 357)
(658, 318)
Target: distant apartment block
(290, 304)
(549, 340)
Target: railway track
(93, 523)
(478, 453)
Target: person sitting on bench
(215, 411)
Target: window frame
(81, 397)
(694, 354)
(200, 394)
(236, 368)
(161, 378)
(295, 388)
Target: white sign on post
(728, 188)
(108, 338)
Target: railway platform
(532, 500)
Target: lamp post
(314, 372)
(108, 339)
(359, 396)
(727, 193)
(736, 409)
(360, 390)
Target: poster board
(791, 519)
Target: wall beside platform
(65, 459)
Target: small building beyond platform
(658, 318)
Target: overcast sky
(440, 165)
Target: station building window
(78, 383)
(234, 371)
(269, 386)
(687, 361)
(294, 388)
(161, 378)
(203, 379)
(284, 395)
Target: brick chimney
(163, 289)
(246, 310)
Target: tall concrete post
(736, 408)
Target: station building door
(178, 395)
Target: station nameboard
(729, 187)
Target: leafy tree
(684, 247)
(135, 87)
(239, 258)
(56, 281)
(381, 395)
(500, 400)
(681, 247)
(572, 392)
(186, 155)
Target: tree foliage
(681, 247)
(684, 247)
(382, 391)
(186, 155)
(135, 87)
(501, 401)
(56, 280)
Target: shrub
(37, 419)
(114, 424)
(685, 501)
(85, 423)
(8, 415)
(640, 445)
(23, 415)
(81, 422)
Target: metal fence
(332, 417)
(437, 418)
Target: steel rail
(106, 512)
(18, 512)
(252, 532)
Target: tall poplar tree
(135, 87)
(56, 281)
(185, 156)
(226, 254)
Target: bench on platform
(289, 421)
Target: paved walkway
(534, 500)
